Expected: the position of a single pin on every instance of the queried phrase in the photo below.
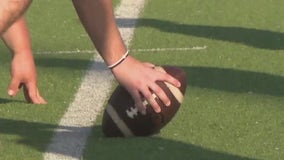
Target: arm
(138, 78)
(23, 71)
(10, 10)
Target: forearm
(10, 10)
(98, 19)
(17, 37)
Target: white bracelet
(119, 61)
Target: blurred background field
(232, 52)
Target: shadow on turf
(74, 64)
(257, 38)
(36, 135)
(235, 80)
(155, 147)
(223, 79)
(5, 101)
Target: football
(122, 119)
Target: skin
(10, 10)
(139, 78)
(23, 70)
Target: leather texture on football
(122, 119)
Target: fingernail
(11, 92)
(158, 110)
(168, 104)
(179, 84)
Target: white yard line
(158, 49)
(169, 49)
(76, 124)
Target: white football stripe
(175, 91)
(118, 121)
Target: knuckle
(159, 91)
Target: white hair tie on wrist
(119, 61)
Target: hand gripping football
(122, 119)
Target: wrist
(119, 61)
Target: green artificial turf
(233, 108)
(234, 105)
(26, 129)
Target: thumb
(14, 87)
